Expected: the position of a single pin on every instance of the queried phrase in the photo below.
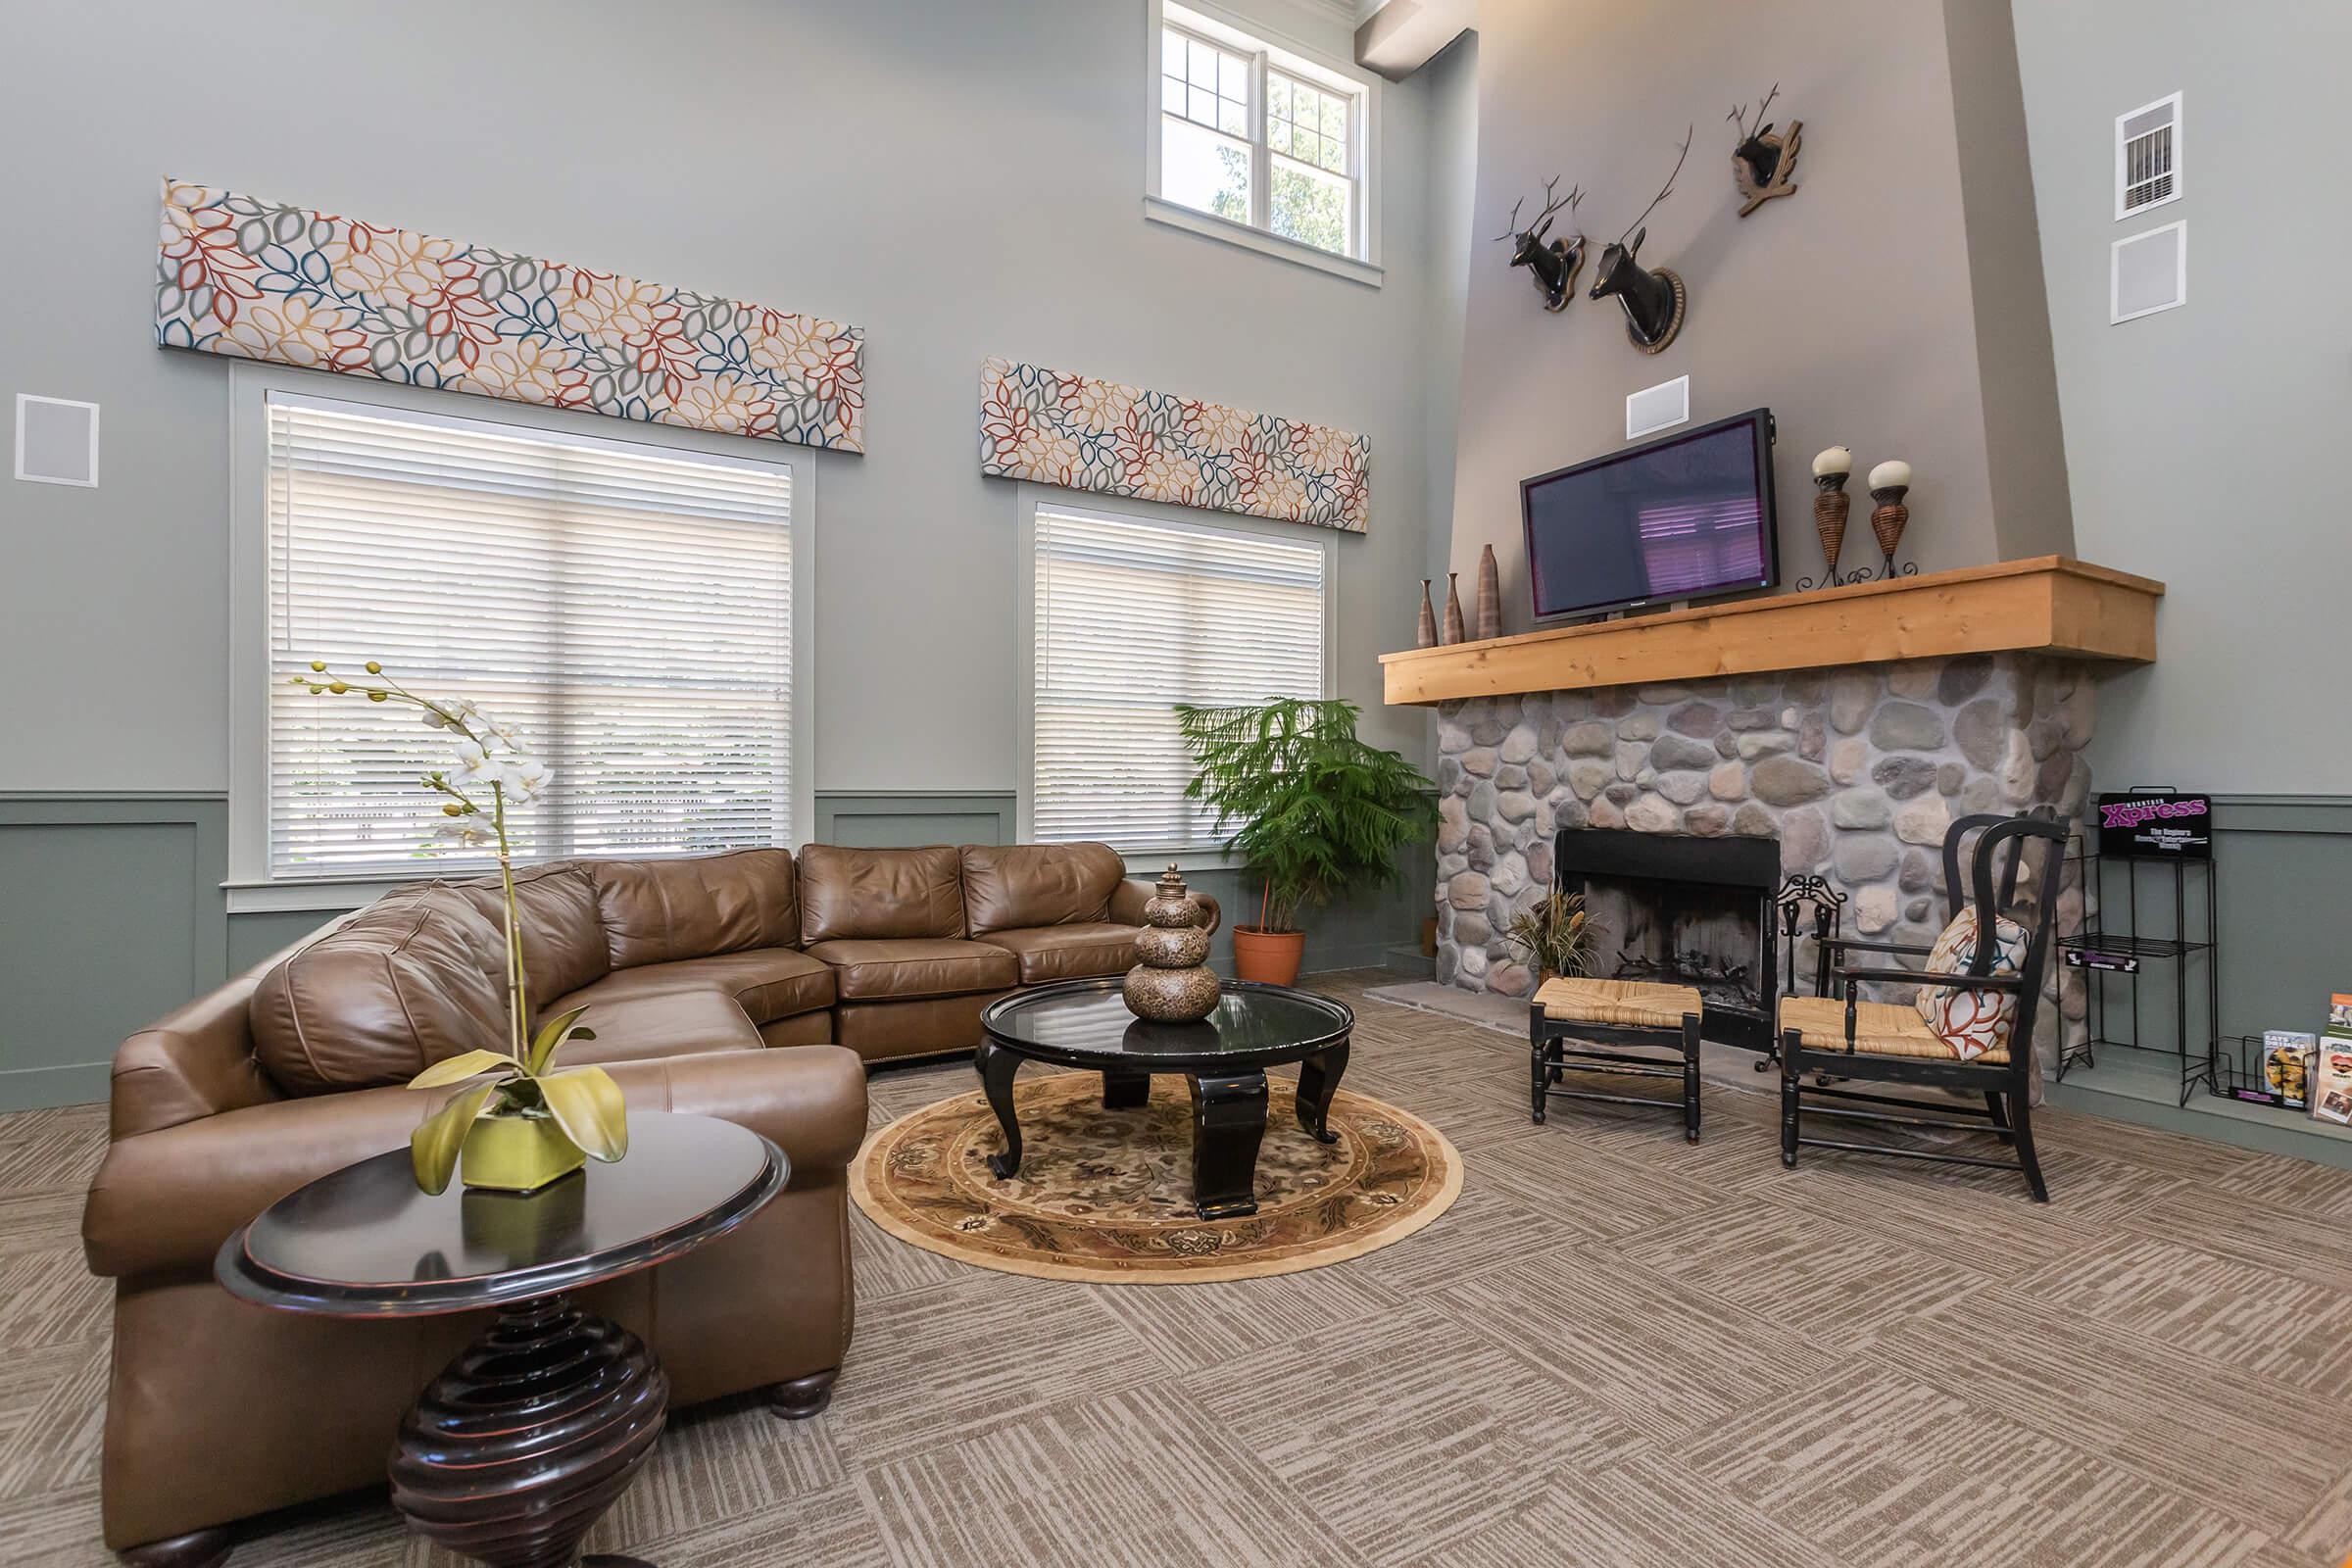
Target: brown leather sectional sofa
(695, 971)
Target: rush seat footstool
(1626, 1014)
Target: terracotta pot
(1271, 956)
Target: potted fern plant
(1314, 812)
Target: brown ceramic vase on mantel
(1490, 596)
(1425, 635)
(1455, 632)
(1173, 984)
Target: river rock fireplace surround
(1851, 773)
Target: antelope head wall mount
(1654, 298)
(1554, 266)
(1762, 161)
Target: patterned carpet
(1616, 1350)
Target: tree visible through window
(1258, 142)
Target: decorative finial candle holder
(1887, 520)
(1831, 506)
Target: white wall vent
(1658, 408)
(2148, 273)
(2147, 157)
(57, 440)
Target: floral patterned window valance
(263, 280)
(1085, 433)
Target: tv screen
(1679, 517)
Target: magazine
(2287, 1065)
(2331, 1067)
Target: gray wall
(1850, 308)
(2206, 443)
(958, 179)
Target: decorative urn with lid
(1173, 984)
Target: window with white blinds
(626, 607)
(1132, 617)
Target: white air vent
(2147, 157)
(2148, 273)
(1658, 408)
(57, 440)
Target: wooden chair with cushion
(1972, 1028)
(1624, 1013)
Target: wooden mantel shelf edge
(2047, 605)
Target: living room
(876, 781)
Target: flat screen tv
(1683, 516)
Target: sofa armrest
(164, 1201)
(1128, 899)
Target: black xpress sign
(2156, 824)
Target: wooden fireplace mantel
(2047, 605)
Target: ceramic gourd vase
(1490, 596)
(1173, 984)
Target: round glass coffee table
(1224, 1057)
(530, 1434)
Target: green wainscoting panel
(900, 819)
(111, 915)
(255, 934)
(2283, 865)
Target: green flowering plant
(492, 773)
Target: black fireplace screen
(1680, 910)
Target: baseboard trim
(40, 1087)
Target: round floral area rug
(1107, 1194)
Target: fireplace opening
(1678, 909)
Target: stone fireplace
(1853, 774)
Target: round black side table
(1224, 1057)
(522, 1441)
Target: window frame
(1212, 23)
(1029, 499)
(250, 887)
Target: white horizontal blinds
(1132, 617)
(626, 607)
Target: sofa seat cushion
(768, 983)
(1079, 952)
(903, 968)
(686, 1021)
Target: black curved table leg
(996, 1067)
(1319, 1080)
(1228, 1121)
(1126, 1091)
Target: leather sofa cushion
(1015, 885)
(164, 1201)
(413, 978)
(1068, 951)
(563, 946)
(766, 983)
(881, 895)
(654, 1024)
(658, 912)
(891, 1031)
(911, 967)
